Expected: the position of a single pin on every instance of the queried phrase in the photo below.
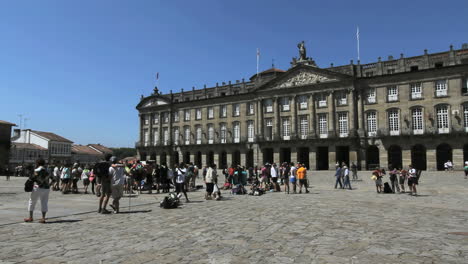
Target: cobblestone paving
(324, 226)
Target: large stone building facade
(390, 113)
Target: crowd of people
(111, 179)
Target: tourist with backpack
(138, 174)
(210, 179)
(66, 178)
(41, 180)
(85, 178)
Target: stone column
(160, 135)
(353, 157)
(458, 161)
(204, 158)
(259, 118)
(293, 154)
(256, 153)
(360, 113)
(331, 157)
(312, 159)
(294, 130)
(243, 158)
(333, 114)
(383, 159)
(406, 157)
(352, 112)
(313, 116)
(217, 159)
(431, 159)
(277, 121)
(276, 155)
(229, 158)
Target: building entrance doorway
(223, 160)
(372, 157)
(163, 158)
(394, 157)
(342, 155)
(303, 157)
(250, 158)
(187, 157)
(210, 158)
(198, 159)
(285, 155)
(322, 158)
(175, 157)
(236, 160)
(443, 154)
(418, 157)
(267, 155)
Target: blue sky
(78, 68)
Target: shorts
(85, 181)
(106, 188)
(412, 181)
(209, 187)
(303, 181)
(292, 180)
(402, 180)
(180, 187)
(274, 179)
(117, 191)
(65, 180)
(378, 182)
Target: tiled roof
(27, 146)
(101, 148)
(51, 136)
(6, 123)
(80, 149)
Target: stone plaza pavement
(324, 226)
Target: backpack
(239, 189)
(387, 188)
(170, 202)
(101, 169)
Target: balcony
(250, 140)
(441, 93)
(343, 135)
(418, 131)
(444, 130)
(394, 132)
(323, 135)
(371, 100)
(286, 137)
(416, 95)
(322, 103)
(303, 136)
(372, 133)
(392, 98)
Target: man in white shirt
(57, 174)
(274, 177)
(117, 175)
(347, 182)
(180, 180)
(292, 176)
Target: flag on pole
(258, 59)
(357, 37)
(157, 76)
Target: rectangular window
(369, 74)
(341, 98)
(187, 115)
(465, 86)
(210, 112)
(250, 108)
(304, 126)
(441, 88)
(372, 123)
(223, 111)
(236, 109)
(416, 90)
(210, 134)
(343, 124)
(156, 118)
(156, 137)
(286, 128)
(394, 122)
(166, 136)
(250, 131)
(145, 138)
(166, 117)
(175, 116)
(417, 118)
(187, 136)
(442, 119)
(285, 104)
(223, 133)
(322, 100)
(302, 100)
(176, 136)
(465, 117)
(198, 114)
(371, 96)
(146, 119)
(390, 71)
(323, 125)
(392, 93)
(236, 132)
(269, 129)
(269, 106)
(198, 135)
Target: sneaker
(28, 220)
(105, 211)
(113, 207)
(42, 221)
(307, 191)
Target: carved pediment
(154, 102)
(304, 77)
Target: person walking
(65, 178)
(394, 179)
(354, 171)
(101, 171)
(117, 176)
(285, 176)
(210, 180)
(302, 177)
(7, 173)
(347, 182)
(412, 180)
(274, 177)
(42, 180)
(338, 177)
(293, 176)
(85, 178)
(180, 181)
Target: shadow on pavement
(135, 212)
(62, 221)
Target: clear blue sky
(78, 68)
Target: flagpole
(358, 53)
(258, 59)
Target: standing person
(412, 180)
(180, 181)
(85, 178)
(75, 177)
(378, 173)
(210, 180)
(302, 177)
(292, 177)
(285, 176)
(338, 177)
(117, 176)
(56, 175)
(92, 179)
(149, 177)
(466, 169)
(354, 171)
(165, 180)
(274, 177)
(66, 177)
(347, 182)
(403, 176)
(138, 174)
(41, 190)
(394, 179)
(190, 173)
(101, 171)
(7, 173)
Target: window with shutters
(236, 129)
(416, 90)
(250, 131)
(372, 123)
(304, 126)
(441, 88)
(323, 125)
(286, 128)
(417, 121)
(210, 134)
(343, 124)
(442, 119)
(394, 122)
(392, 93)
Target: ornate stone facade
(389, 114)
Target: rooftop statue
(302, 51)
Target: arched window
(223, 133)
(198, 135)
